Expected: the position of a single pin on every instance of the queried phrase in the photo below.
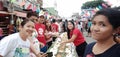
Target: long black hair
(68, 30)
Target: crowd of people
(36, 35)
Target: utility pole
(11, 10)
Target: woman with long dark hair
(48, 33)
(75, 36)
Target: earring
(116, 35)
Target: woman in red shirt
(48, 33)
(76, 37)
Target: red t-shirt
(54, 27)
(79, 39)
(41, 30)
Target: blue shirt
(89, 24)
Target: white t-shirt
(35, 40)
(14, 46)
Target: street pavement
(88, 39)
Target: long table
(62, 50)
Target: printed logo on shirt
(22, 52)
(40, 31)
(54, 28)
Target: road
(88, 39)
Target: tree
(93, 4)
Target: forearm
(34, 50)
(39, 55)
(70, 40)
(1, 56)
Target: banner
(29, 7)
(34, 8)
(105, 6)
(12, 1)
(22, 3)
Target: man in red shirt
(54, 29)
(40, 27)
(54, 26)
(33, 16)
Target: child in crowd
(17, 44)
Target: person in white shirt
(17, 44)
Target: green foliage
(92, 4)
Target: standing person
(54, 26)
(76, 37)
(60, 26)
(40, 27)
(64, 26)
(11, 28)
(48, 33)
(1, 33)
(89, 25)
(105, 25)
(32, 16)
(79, 26)
(17, 44)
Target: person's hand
(63, 43)
(48, 35)
(41, 45)
(42, 55)
(55, 34)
